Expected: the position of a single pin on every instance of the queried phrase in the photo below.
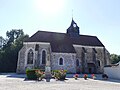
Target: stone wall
(107, 54)
(22, 57)
(69, 58)
(69, 62)
(21, 65)
(101, 58)
(101, 55)
(47, 49)
(113, 71)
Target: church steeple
(73, 30)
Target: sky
(99, 18)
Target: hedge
(31, 74)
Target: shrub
(60, 74)
(35, 74)
(37, 68)
(40, 74)
(31, 74)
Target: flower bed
(59, 74)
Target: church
(70, 51)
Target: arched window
(77, 62)
(43, 57)
(30, 56)
(61, 61)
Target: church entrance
(91, 68)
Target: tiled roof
(62, 42)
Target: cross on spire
(72, 14)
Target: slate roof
(87, 41)
(62, 42)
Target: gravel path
(18, 82)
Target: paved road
(18, 82)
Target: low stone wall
(113, 71)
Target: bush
(31, 74)
(37, 68)
(59, 74)
(40, 74)
(35, 74)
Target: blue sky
(99, 18)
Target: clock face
(74, 25)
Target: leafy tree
(14, 34)
(2, 42)
(114, 58)
(9, 52)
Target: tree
(9, 52)
(114, 58)
(2, 42)
(14, 34)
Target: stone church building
(70, 51)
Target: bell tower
(73, 30)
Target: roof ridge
(63, 33)
(50, 32)
(88, 35)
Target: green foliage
(31, 74)
(34, 74)
(2, 42)
(114, 58)
(59, 74)
(9, 52)
(14, 34)
(43, 70)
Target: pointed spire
(72, 14)
(72, 18)
(73, 22)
